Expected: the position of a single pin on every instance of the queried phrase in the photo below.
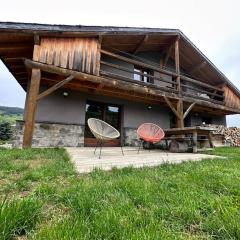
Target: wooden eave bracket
(171, 106)
(55, 87)
(144, 40)
(188, 110)
(175, 111)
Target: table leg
(210, 140)
(194, 141)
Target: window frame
(142, 77)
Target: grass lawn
(42, 197)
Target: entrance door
(109, 113)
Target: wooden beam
(36, 39)
(100, 38)
(169, 73)
(99, 46)
(55, 87)
(171, 106)
(139, 45)
(16, 45)
(197, 67)
(13, 48)
(188, 110)
(138, 63)
(177, 64)
(136, 72)
(124, 85)
(31, 107)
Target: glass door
(109, 113)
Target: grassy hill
(11, 110)
(10, 114)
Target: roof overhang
(17, 41)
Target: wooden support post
(177, 64)
(180, 119)
(194, 141)
(31, 105)
(210, 139)
(161, 67)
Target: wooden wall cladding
(231, 99)
(80, 54)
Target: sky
(212, 25)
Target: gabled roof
(123, 38)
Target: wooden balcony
(158, 78)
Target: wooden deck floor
(85, 160)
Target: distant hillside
(11, 110)
(10, 114)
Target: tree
(5, 131)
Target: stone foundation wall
(130, 137)
(51, 135)
(64, 135)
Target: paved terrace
(85, 160)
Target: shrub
(5, 131)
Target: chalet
(125, 76)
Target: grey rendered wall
(135, 114)
(56, 108)
(71, 110)
(68, 112)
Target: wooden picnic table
(171, 133)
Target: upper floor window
(140, 74)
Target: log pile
(231, 135)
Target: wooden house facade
(125, 76)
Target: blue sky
(213, 26)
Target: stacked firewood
(231, 135)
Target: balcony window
(138, 75)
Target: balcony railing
(189, 87)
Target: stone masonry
(51, 135)
(130, 137)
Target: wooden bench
(193, 132)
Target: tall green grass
(19, 216)
(193, 200)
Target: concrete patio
(85, 160)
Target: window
(138, 75)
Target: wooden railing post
(31, 106)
